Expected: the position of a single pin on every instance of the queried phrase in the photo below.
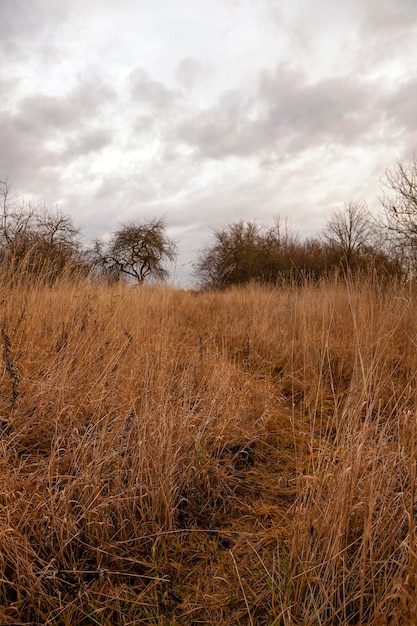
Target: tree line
(37, 242)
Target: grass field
(241, 458)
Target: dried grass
(243, 457)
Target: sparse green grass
(243, 457)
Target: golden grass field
(246, 457)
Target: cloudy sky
(204, 111)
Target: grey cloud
(7, 88)
(391, 18)
(400, 110)
(42, 113)
(22, 23)
(339, 108)
(111, 187)
(27, 162)
(147, 91)
(388, 35)
(19, 148)
(402, 106)
(92, 141)
(224, 129)
(189, 72)
(39, 113)
(284, 113)
(129, 192)
(43, 132)
(144, 124)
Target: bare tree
(136, 251)
(56, 242)
(399, 203)
(231, 258)
(246, 251)
(35, 240)
(398, 216)
(15, 220)
(350, 231)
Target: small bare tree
(136, 251)
(350, 231)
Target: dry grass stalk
(244, 457)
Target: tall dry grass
(243, 457)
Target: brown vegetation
(242, 457)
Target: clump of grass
(240, 457)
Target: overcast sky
(204, 111)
